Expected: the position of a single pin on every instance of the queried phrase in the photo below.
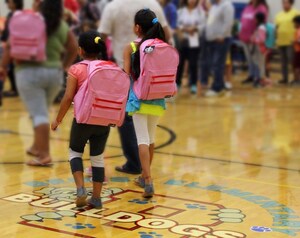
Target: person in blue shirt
(176, 3)
(170, 11)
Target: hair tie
(146, 9)
(97, 39)
(154, 21)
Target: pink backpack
(101, 100)
(27, 36)
(159, 62)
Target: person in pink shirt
(248, 27)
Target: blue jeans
(213, 59)
(252, 69)
(129, 145)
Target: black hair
(52, 10)
(260, 18)
(151, 29)
(18, 3)
(185, 3)
(296, 19)
(92, 46)
(264, 2)
(292, 2)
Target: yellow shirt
(285, 27)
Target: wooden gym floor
(224, 168)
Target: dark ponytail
(52, 10)
(93, 45)
(151, 29)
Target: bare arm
(71, 51)
(167, 33)
(127, 59)
(66, 101)
(5, 60)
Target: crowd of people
(201, 30)
(195, 26)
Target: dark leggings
(286, 54)
(97, 137)
(192, 55)
(12, 78)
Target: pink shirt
(248, 21)
(259, 38)
(79, 72)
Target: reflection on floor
(223, 167)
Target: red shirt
(297, 41)
(71, 5)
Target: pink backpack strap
(156, 40)
(106, 63)
(85, 62)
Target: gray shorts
(38, 87)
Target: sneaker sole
(93, 206)
(81, 201)
(148, 195)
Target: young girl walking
(91, 47)
(259, 50)
(145, 113)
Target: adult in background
(72, 5)
(176, 3)
(13, 6)
(89, 13)
(190, 25)
(101, 5)
(248, 27)
(118, 21)
(39, 83)
(215, 45)
(285, 36)
(170, 11)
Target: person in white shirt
(117, 21)
(190, 24)
(216, 43)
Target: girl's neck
(190, 8)
(90, 58)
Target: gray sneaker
(81, 197)
(148, 191)
(95, 202)
(139, 181)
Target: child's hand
(54, 125)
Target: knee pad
(98, 174)
(76, 165)
(98, 168)
(97, 161)
(73, 154)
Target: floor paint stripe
(54, 230)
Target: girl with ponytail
(91, 47)
(145, 113)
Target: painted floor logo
(165, 214)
